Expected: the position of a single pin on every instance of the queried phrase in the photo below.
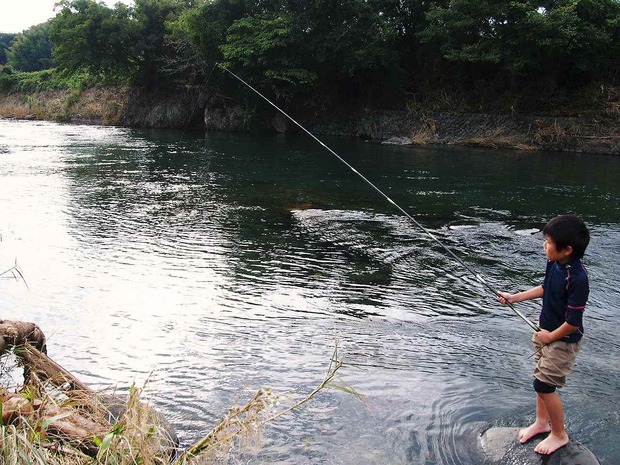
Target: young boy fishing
(564, 292)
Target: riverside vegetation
(54, 419)
(548, 68)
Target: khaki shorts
(555, 361)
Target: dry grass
(549, 133)
(243, 425)
(39, 105)
(17, 447)
(612, 101)
(497, 139)
(613, 109)
(12, 106)
(105, 106)
(138, 436)
(54, 426)
(46, 428)
(426, 132)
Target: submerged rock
(502, 447)
(398, 141)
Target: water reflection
(207, 263)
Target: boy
(564, 293)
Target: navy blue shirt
(564, 300)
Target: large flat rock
(501, 446)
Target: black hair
(567, 230)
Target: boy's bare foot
(525, 434)
(551, 443)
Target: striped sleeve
(578, 290)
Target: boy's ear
(568, 250)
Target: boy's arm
(546, 337)
(533, 293)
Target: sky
(17, 15)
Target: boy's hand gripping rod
(479, 278)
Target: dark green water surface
(210, 263)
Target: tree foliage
(555, 40)
(340, 49)
(197, 35)
(152, 17)
(351, 43)
(87, 34)
(266, 46)
(5, 42)
(31, 50)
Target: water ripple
(206, 267)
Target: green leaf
(348, 390)
(105, 444)
(49, 421)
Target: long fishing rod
(479, 278)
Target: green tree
(268, 50)
(153, 16)
(86, 34)
(579, 38)
(5, 43)
(195, 38)
(558, 40)
(346, 47)
(407, 18)
(31, 50)
(349, 43)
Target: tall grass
(47, 422)
(56, 426)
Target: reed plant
(55, 426)
(498, 139)
(243, 426)
(17, 447)
(12, 106)
(426, 132)
(42, 423)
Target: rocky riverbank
(195, 107)
(500, 131)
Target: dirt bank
(195, 107)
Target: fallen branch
(48, 369)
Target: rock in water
(501, 446)
(398, 141)
(279, 123)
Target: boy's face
(555, 255)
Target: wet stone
(501, 446)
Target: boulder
(279, 123)
(502, 447)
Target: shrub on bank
(50, 79)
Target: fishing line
(479, 278)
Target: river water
(213, 264)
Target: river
(206, 265)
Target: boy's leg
(540, 426)
(554, 362)
(558, 437)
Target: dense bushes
(333, 50)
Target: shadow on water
(209, 262)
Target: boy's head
(568, 230)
